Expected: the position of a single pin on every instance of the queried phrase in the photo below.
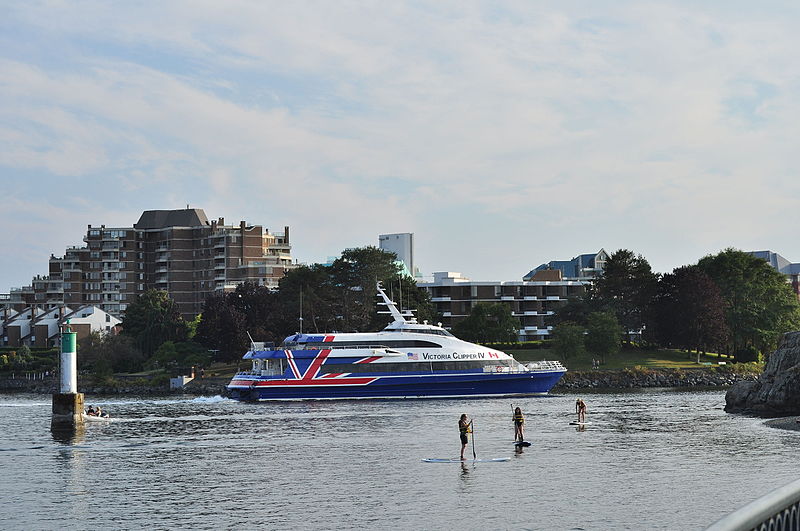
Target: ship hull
(248, 388)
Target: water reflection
(145, 466)
(76, 435)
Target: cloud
(529, 131)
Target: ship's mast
(397, 315)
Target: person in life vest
(519, 425)
(580, 409)
(464, 427)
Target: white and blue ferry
(406, 359)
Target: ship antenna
(252, 343)
(301, 309)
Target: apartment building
(178, 251)
(531, 301)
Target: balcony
(219, 277)
(163, 258)
(162, 269)
(440, 299)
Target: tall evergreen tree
(626, 287)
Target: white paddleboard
(495, 460)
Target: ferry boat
(407, 359)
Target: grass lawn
(627, 358)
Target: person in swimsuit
(519, 425)
(464, 427)
(580, 409)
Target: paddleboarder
(580, 409)
(464, 427)
(519, 425)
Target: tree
(307, 292)
(626, 287)
(488, 323)
(338, 297)
(604, 334)
(223, 329)
(759, 303)
(355, 273)
(153, 318)
(180, 356)
(568, 340)
(103, 354)
(688, 312)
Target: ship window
(400, 344)
(422, 366)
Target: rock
(777, 392)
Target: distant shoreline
(612, 379)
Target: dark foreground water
(649, 460)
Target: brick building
(178, 251)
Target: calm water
(649, 460)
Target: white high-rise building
(401, 244)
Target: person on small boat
(91, 411)
(580, 409)
(519, 425)
(464, 427)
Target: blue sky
(503, 134)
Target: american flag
(413, 356)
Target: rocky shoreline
(646, 378)
(777, 391)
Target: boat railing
(545, 365)
(778, 510)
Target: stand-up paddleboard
(579, 423)
(454, 460)
(522, 443)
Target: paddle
(472, 424)
(515, 424)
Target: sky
(503, 134)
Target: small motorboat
(92, 416)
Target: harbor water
(663, 459)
